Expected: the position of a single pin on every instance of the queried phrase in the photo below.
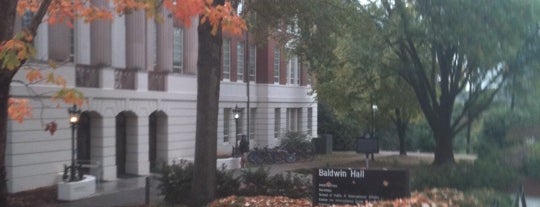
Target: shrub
(298, 143)
(295, 140)
(176, 182)
(259, 182)
(292, 186)
(227, 183)
(465, 176)
(255, 181)
(532, 163)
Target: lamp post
(236, 112)
(74, 115)
(374, 109)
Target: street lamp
(374, 109)
(74, 115)
(236, 114)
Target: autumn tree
(17, 48)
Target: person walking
(244, 149)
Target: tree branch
(38, 17)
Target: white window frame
(252, 63)
(26, 19)
(252, 123)
(240, 59)
(178, 50)
(227, 113)
(277, 65)
(309, 121)
(294, 119)
(293, 68)
(226, 54)
(277, 122)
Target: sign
(365, 145)
(356, 186)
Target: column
(103, 146)
(151, 44)
(82, 42)
(106, 78)
(165, 44)
(315, 122)
(191, 47)
(141, 81)
(118, 43)
(137, 161)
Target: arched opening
(157, 142)
(120, 144)
(83, 141)
(126, 133)
(89, 134)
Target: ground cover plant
(431, 197)
(176, 183)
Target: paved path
(532, 201)
(121, 192)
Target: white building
(139, 78)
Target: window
(277, 122)
(277, 60)
(309, 121)
(292, 70)
(240, 127)
(226, 124)
(240, 61)
(252, 125)
(252, 63)
(27, 18)
(294, 119)
(72, 44)
(226, 52)
(178, 50)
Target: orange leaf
(34, 75)
(19, 109)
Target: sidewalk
(121, 192)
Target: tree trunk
(5, 80)
(444, 149)
(7, 19)
(401, 136)
(401, 127)
(208, 80)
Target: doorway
(83, 141)
(121, 141)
